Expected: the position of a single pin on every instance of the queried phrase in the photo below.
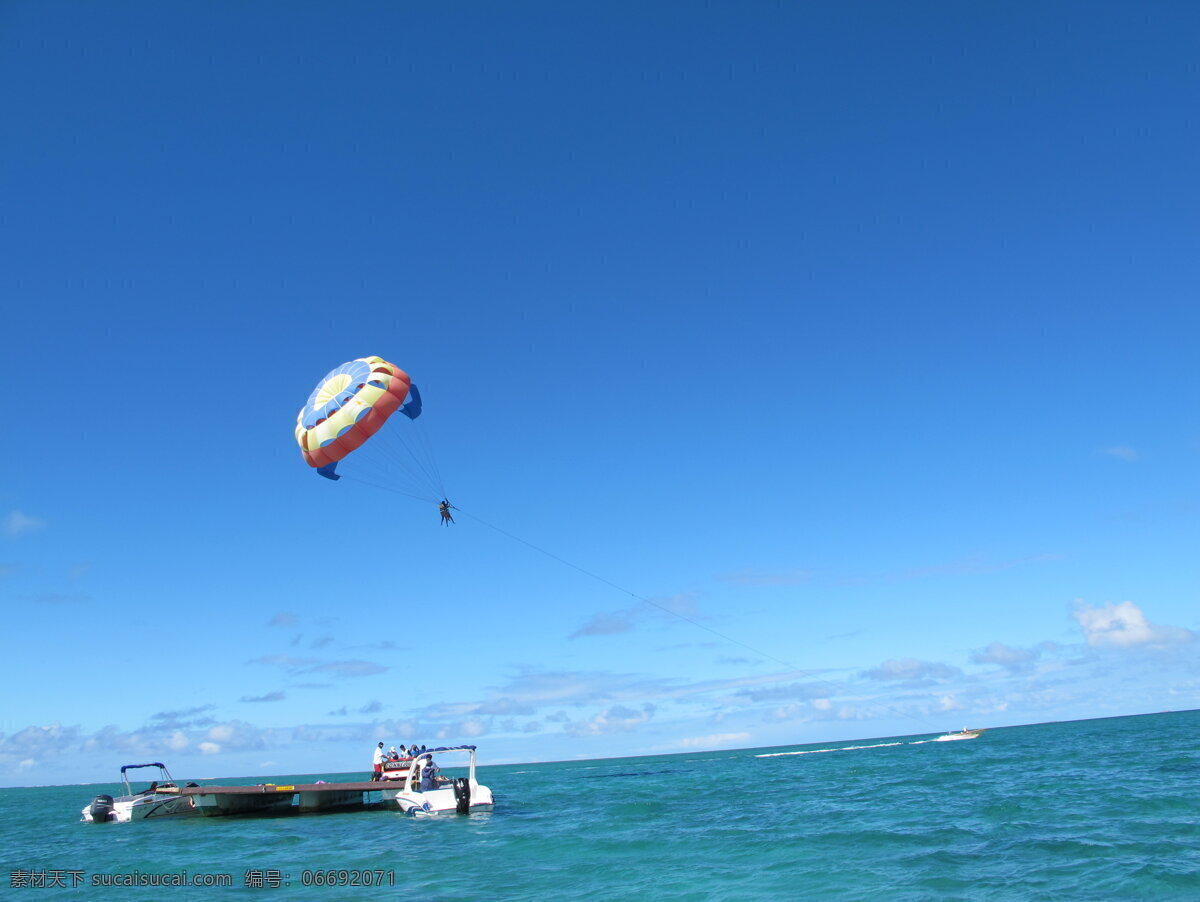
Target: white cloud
(474, 727)
(38, 741)
(790, 711)
(1122, 625)
(18, 524)
(209, 748)
(616, 719)
(237, 735)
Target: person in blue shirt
(429, 775)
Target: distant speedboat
(422, 790)
(965, 734)
(160, 799)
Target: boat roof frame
(163, 774)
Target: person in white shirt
(377, 761)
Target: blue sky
(861, 334)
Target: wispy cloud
(1121, 452)
(607, 623)
(381, 645)
(972, 565)
(19, 524)
(283, 618)
(910, 670)
(786, 691)
(276, 696)
(1123, 625)
(183, 718)
(55, 598)
(297, 665)
(1012, 659)
(371, 707)
(850, 635)
(751, 577)
(350, 668)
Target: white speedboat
(424, 790)
(160, 799)
(965, 734)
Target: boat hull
(145, 807)
(439, 801)
(955, 737)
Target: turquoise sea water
(1102, 809)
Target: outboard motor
(101, 809)
(462, 795)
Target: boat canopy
(125, 767)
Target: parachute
(348, 407)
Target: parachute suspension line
(386, 488)
(381, 463)
(414, 453)
(403, 459)
(807, 674)
(427, 445)
(382, 472)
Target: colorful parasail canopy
(348, 406)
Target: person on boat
(429, 775)
(393, 755)
(444, 508)
(377, 763)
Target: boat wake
(844, 748)
(965, 734)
